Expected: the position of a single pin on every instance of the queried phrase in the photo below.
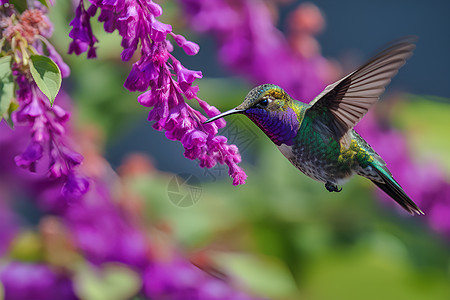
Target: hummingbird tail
(395, 191)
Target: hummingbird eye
(263, 103)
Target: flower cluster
(25, 35)
(47, 127)
(35, 281)
(169, 81)
(9, 226)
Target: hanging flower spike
(81, 33)
(31, 55)
(165, 81)
(47, 126)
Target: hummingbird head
(269, 107)
(260, 101)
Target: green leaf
(425, 122)
(6, 85)
(47, 76)
(45, 3)
(12, 107)
(19, 5)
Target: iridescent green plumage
(318, 138)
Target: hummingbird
(318, 138)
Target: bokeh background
(281, 235)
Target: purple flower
(96, 223)
(189, 47)
(35, 281)
(173, 278)
(137, 24)
(81, 33)
(159, 31)
(75, 185)
(47, 129)
(30, 156)
(439, 213)
(62, 160)
(29, 111)
(9, 226)
(185, 78)
(147, 99)
(178, 279)
(154, 8)
(141, 74)
(193, 141)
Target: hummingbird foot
(332, 187)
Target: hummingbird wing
(342, 104)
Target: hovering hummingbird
(318, 138)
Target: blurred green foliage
(111, 281)
(426, 125)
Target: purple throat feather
(280, 126)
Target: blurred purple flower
(96, 223)
(35, 281)
(102, 231)
(93, 217)
(29, 157)
(250, 45)
(47, 128)
(439, 212)
(81, 33)
(174, 277)
(75, 185)
(178, 279)
(9, 226)
(137, 24)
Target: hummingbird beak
(229, 112)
